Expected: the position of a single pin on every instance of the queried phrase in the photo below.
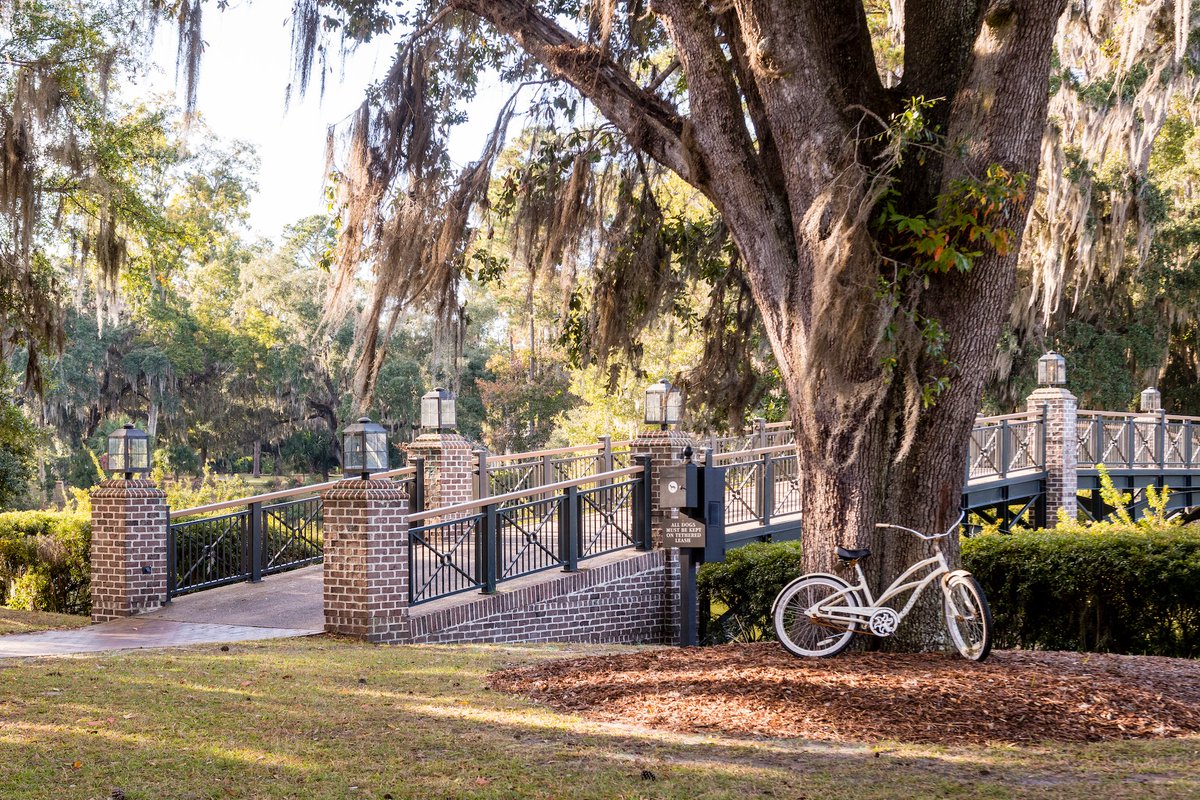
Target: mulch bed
(760, 690)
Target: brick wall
(366, 560)
(449, 467)
(634, 600)
(1062, 456)
(129, 548)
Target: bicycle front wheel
(968, 617)
(807, 634)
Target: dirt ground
(758, 689)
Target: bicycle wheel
(968, 617)
(804, 635)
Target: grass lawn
(330, 718)
(14, 621)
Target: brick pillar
(1062, 455)
(663, 447)
(129, 548)
(366, 560)
(449, 468)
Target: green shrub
(736, 594)
(1110, 588)
(1121, 589)
(44, 561)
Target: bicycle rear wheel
(968, 617)
(803, 634)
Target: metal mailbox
(678, 486)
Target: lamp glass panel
(655, 405)
(674, 409)
(376, 451)
(139, 453)
(429, 412)
(116, 455)
(448, 412)
(352, 455)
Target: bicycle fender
(950, 576)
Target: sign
(683, 532)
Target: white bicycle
(818, 614)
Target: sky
(244, 74)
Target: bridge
(554, 508)
(457, 526)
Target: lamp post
(664, 404)
(364, 448)
(1051, 370)
(129, 451)
(437, 410)
(1151, 400)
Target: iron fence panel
(209, 552)
(606, 518)
(527, 537)
(742, 482)
(443, 557)
(292, 534)
(1086, 440)
(787, 496)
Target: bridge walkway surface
(284, 605)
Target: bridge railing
(504, 474)
(480, 544)
(263, 534)
(1131, 441)
(760, 434)
(1006, 444)
(760, 484)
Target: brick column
(449, 468)
(663, 447)
(129, 548)
(1062, 455)
(366, 560)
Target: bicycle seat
(852, 555)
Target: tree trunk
(781, 134)
(256, 469)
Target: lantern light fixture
(1052, 370)
(1151, 400)
(129, 451)
(437, 410)
(664, 404)
(364, 448)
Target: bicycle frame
(852, 614)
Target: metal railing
(268, 533)
(760, 485)
(1137, 440)
(480, 544)
(1007, 444)
(504, 474)
(759, 435)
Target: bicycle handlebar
(925, 536)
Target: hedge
(1123, 590)
(736, 594)
(44, 561)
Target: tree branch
(648, 121)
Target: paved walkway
(280, 606)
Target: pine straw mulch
(760, 690)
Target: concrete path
(283, 605)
